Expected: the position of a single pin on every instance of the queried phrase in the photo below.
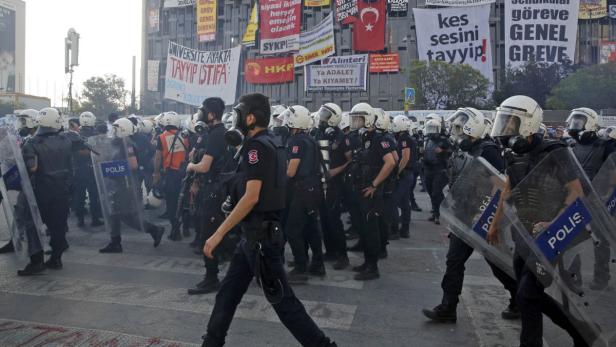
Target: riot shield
(469, 209)
(604, 183)
(21, 212)
(565, 236)
(120, 196)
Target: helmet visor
(283, 118)
(577, 121)
(457, 124)
(432, 129)
(357, 121)
(506, 124)
(324, 114)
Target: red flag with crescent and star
(369, 27)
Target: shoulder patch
(404, 144)
(253, 157)
(131, 150)
(384, 144)
(348, 142)
(295, 149)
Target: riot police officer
(416, 161)
(407, 148)
(276, 124)
(516, 126)
(48, 158)
(467, 133)
(435, 158)
(371, 167)
(591, 151)
(383, 125)
(208, 188)
(337, 155)
(259, 253)
(302, 225)
(83, 175)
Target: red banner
(384, 63)
(269, 70)
(369, 27)
(280, 22)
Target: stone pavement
(138, 298)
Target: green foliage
(103, 95)
(533, 79)
(439, 85)
(593, 86)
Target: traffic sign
(409, 96)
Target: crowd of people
(245, 183)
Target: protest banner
(153, 13)
(346, 11)
(193, 75)
(279, 26)
(608, 52)
(207, 16)
(316, 3)
(459, 3)
(337, 74)
(250, 36)
(380, 63)
(592, 9)
(269, 70)
(456, 35)
(316, 43)
(179, 3)
(153, 70)
(397, 8)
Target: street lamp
(71, 59)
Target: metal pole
(132, 97)
(70, 93)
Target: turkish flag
(369, 27)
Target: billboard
(380, 63)
(337, 74)
(8, 58)
(269, 70)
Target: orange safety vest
(173, 153)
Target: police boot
(416, 207)
(298, 275)
(405, 232)
(97, 222)
(186, 231)
(156, 232)
(317, 268)
(80, 221)
(210, 284)
(357, 247)
(54, 263)
(394, 232)
(34, 267)
(175, 236)
(432, 218)
(342, 263)
(370, 273)
(8, 248)
(442, 313)
(511, 312)
(360, 268)
(115, 246)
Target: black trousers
(208, 219)
(435, 183)
(303, 227)
(452, 282)
(290, 310)
(54, 213)
(84, 181)
(331, 217)
(533, 302)
(173, 187)
(368, 212)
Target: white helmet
(171, 119)
(432, 126)
(146, 126)
(467, 121)
(610, 132)
(315, 119)
(383, 122)
(192, 122)
(413, 126)
(275, 119)
(297, 117)
(49, 117)
(362, 115)
(25, 119)
(123, 127)
(87, 119)
(152, 200)
(582, 119)
(158, 120)
(518, 115)
(488, 129)
(345, 121)
(434, 116)
(401, 123)
(543, 129)
(227, 119)
(331, 114)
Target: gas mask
(239, 129)
(520, 144)
(465, 143)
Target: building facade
(385, 90)
(12, 46)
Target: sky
(110, 35)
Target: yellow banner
(207, 16)
(316, 3)
(251, 29)
(592, 9)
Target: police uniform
(50, 152)
(416, 168)
(350, 202)
(390, 209)
(83, 180)
(435, 170)
(302, 224)
(333, 230)
(401, 194)
(144, 150)
(260, 252)
(531, 297)
(173, 148)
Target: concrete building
(384, 90)
(12, 46)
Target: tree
(439, 85)
(593, 86)
(103, 95)
(9, 108)
(532, 79)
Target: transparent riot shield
(469, 210)
(565, 236)
(22, 216)
(120, 195)
(604, 183)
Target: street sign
(409, 96)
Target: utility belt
(269, 231)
